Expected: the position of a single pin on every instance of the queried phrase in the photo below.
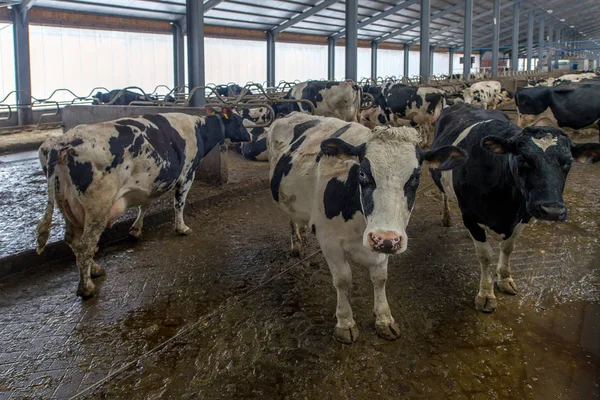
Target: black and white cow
(124, 99)
(397, 104)
(487, 94)
(341, 100)
(96, 172)
(573, 106)
(511, 176)
(231, 90)
(356, 189)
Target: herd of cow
(350, 176)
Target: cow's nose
(552, 212)
(385, 242)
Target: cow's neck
(212, 133)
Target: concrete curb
(60, 251)
(20, 147)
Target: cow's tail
(43, 228)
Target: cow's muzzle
(550, 212)
(385, 242)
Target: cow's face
(256, 115)
(373, 116)
(540, 160)
(233, 124)
(387, 172)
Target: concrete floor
(543, 343)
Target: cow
(124, 99)
(573, 78)
(487, 94)
(96, 172)
(256, 149)
(356, 189)
(511, 176)
(398, 104)
(231, 90)
(541, 82)
(330, 99)
(573, 106)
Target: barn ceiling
(394, 21)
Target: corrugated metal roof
(446, 30)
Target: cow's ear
(586, 152)
(336, 147)
(226, 112)
(498, 145)
(444, 158)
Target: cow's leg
(345, 329)
(84, 248)
(485, 300)
(506, 283)
(181, 192)
(385, 324)
(136, 228)
(298, 239)
(446, 211)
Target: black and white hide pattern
(355, 188)
(511, 176)
(96, 172)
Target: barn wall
(7, 61)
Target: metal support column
(514, 53)
(271, 38)
(195, 37)
(468, 39)
(425, 50)
(541, 41)
(20, 21)
(431, 53)
(331, 58)
(550, 48)
(406, 60)
(373, 60)
(178, 56)
(530, 41)
(352, 39)
(451, 61)
(496, 38)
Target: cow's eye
(362, 175)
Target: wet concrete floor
(543, 343)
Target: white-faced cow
(356, 189)
(397, 104)
(511, 176)
(330, 99)
(96, 172)
(256, 148)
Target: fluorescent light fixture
(562, 20)
(572, 26)
(549, 11)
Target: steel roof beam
(120, 7)
(434, 16)
(210, 4)
(302, 16)
(377, 17)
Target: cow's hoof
(135, 233)
(487, 304)
(85, 291)
(446, 222)
(298, 253)
(97, 271)
(184, 231)
(388, 331)
(507, 285)
(345, 335)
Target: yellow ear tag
(226, 116)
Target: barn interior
(227, 311)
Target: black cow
(575, 106)
(95, 172)
(124, 99)
(511, 176)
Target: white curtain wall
(7, 62)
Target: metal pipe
(541, 44)
(331, 58)
(431, 53)
(530, 41)
(178, 56)
(195, 37)
(271, 37)
(20, 21)
(425, 50)
(352, 39)
(468, 39)
(451, 61)
(551, 48)
(373, 60)
(406, 59)
(514, 54)
(496, 39)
